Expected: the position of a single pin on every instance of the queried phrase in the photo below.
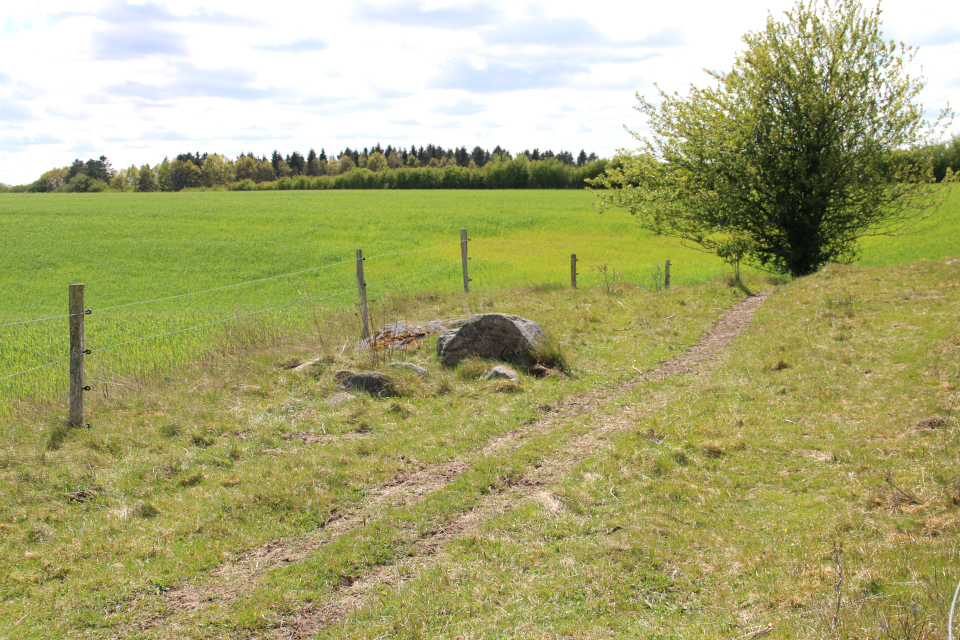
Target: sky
(141, 81)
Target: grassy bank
(181, 473)
(725, 502)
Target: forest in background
(430, 167)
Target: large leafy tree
(796, 153)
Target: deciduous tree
(217, 170)
(793, 155)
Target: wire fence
(104, 332)
(303, 298)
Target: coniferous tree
(314, 168)
(479, 156)
(296, 163)
(147, 180)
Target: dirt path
(234, 580)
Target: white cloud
(140, 81)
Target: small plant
(145, 510)
(610, 276)
(471, 369)
(191, 480)
(57, 435)
(201, 440)
(656, 278)
(549, 354)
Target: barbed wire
(229, 286)
(403, 253)
(221, 321)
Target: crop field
(799, 482)
(131, 249)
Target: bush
(244, 185)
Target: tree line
(430, 167)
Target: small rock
(339, 398)
(342, 374)
(376, 384)
(303, 366)
(540, 371)
(417, 369)
(501, 372)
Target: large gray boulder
(490, 336)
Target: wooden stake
(463, 255)
(573, 270)
(362, 285)
(76, 355)
(666, 275)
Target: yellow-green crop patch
(129, 248)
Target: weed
(201, 440)
(191, 480)
(610, 276)
(472, 369)
(58, 433)
(657, 278)
(548, 353)
(145, 510)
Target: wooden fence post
(666, 275)
(362, 285)
(463, 254)
(76, 355)
(573, 270)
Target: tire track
(307, 621)
(237, 578)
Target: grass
(733, 509)
(192, 468)
(129, 248)
(723, 504)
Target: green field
(131, 248)
(232, 497)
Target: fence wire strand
(43, 366)
(210, 324)
(229, 286)
(237, 317)
(403, 253)
(409, 275)
(69, 315)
